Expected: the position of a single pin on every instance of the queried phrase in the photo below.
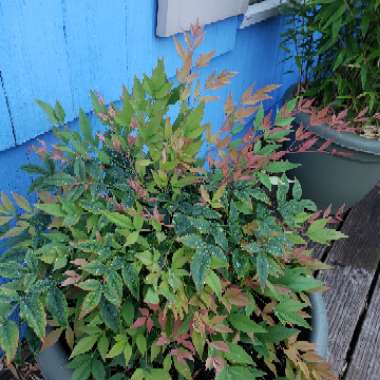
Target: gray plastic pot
(332, 179)
(53, 361)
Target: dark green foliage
(336, 46)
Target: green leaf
(131, 279)
(297, 281)
(103, 346)
(127, 353)
(113, 287)
(97, 370)
(33, 312)
(151, 297)
(297, 190)
(183, 369)
(59, 112)
(10, 270)
(287, 311)
(132, 238)
(90, 302)
(84, 345)
(22, 202)
(116, 350)
(83, 372)
(262, 266)
(51, 209)
(157, 374)
(49, 110)
(110, 315)
(95, 268)
(237, 355)
(9, 338)
(85, 127)
(90, 285)
(280, 166)
(265, 180)
(243, 323)
(128, 313)
(239, 373)
(5, 219)
(200, 264)
(277, 333)
(61, 179)
(56, 304)
(213, 281)
(318, 232)
(138, 374)
(193, 241)
(141, 343)
(118, 219)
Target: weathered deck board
(355, 260)
(365, 361)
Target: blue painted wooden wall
(61, 49)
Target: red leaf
(340, 212)
(341, 153)
(182, 355)
(327, 212)
(189, 346)
(325, 145)
(144, 311)
(220, 345)
(163, 340)
(307, 145)
(139, 322)
(79, 262)
(149, 324)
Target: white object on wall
(261, 11)
(176, 16)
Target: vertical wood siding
(6, 135)
(61, 49)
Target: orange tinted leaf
(180, 50)
(204, 59)
(245, 112)
(207, 99)
(229, 105)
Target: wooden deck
(353, 298)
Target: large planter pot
(53, 361)
(337, 179)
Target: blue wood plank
(33, 62)
(6, 136)
(95, 33)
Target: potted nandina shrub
(332, 43)
(141, 264)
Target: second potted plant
(332, 44)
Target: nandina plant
(149, 260)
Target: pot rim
(344, 139)
(347, 140)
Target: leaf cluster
(336, 47)
(147, 265)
